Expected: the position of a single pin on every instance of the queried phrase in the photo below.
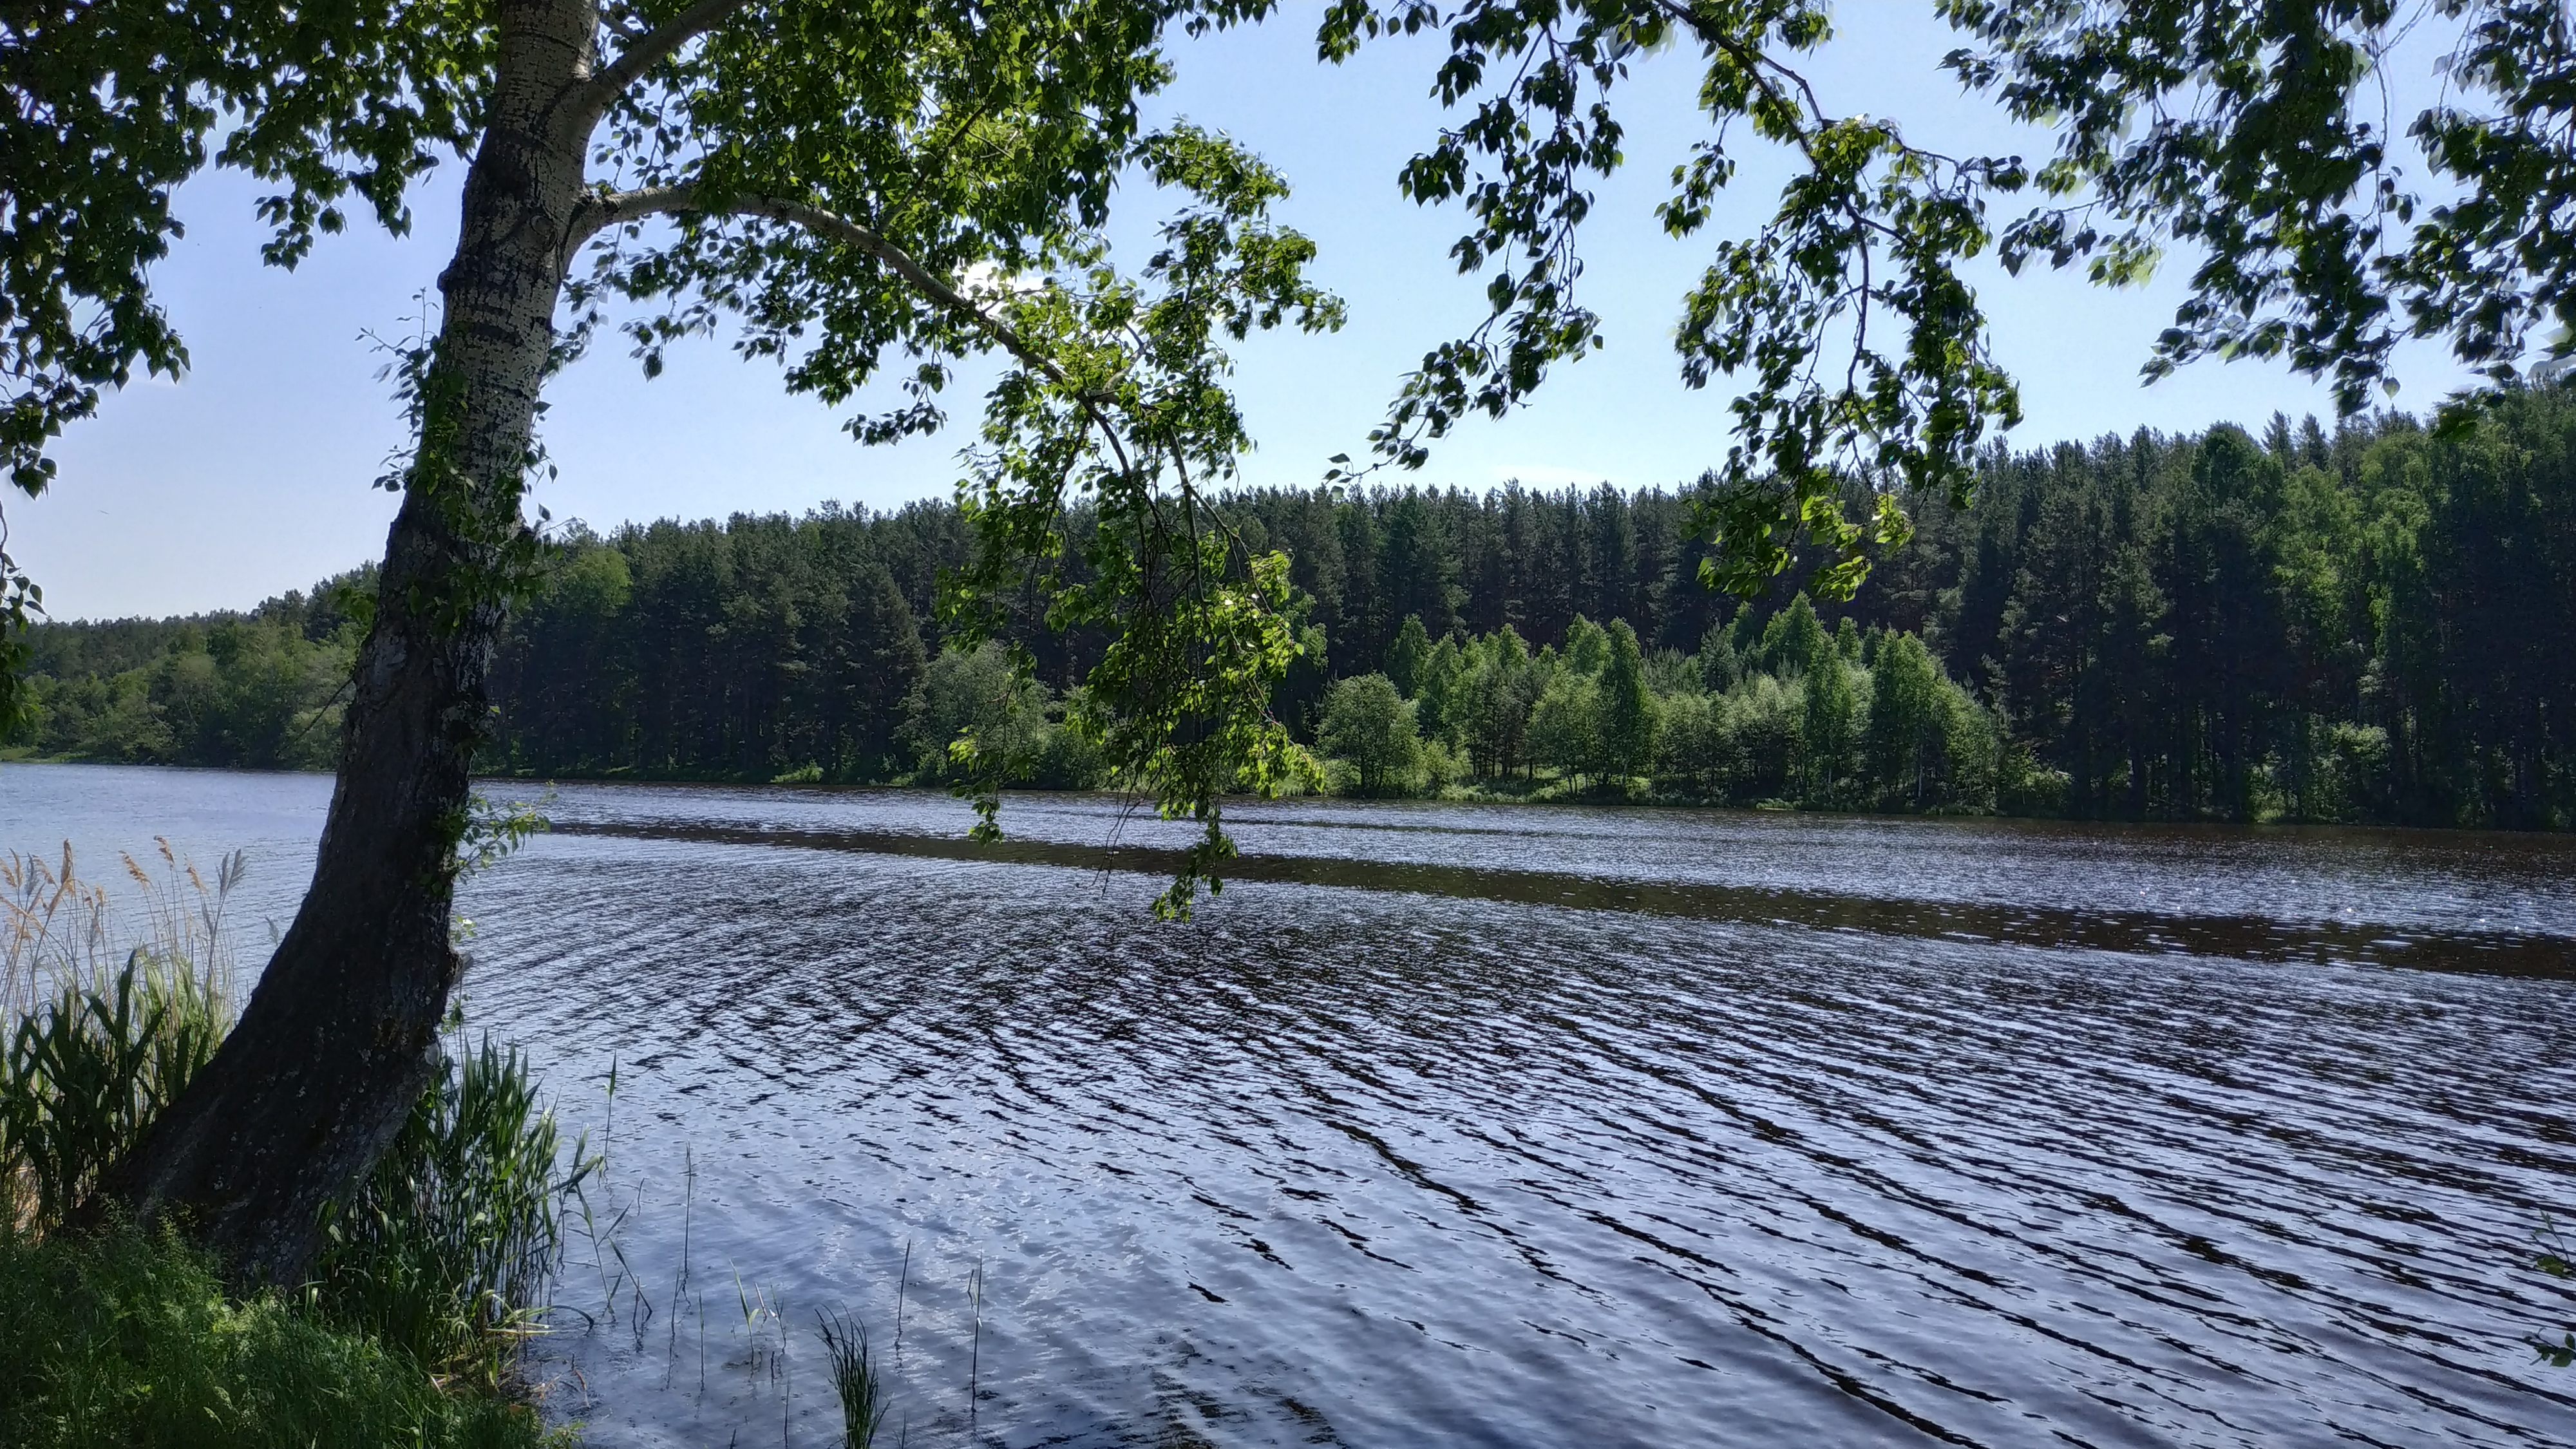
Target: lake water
(1455, 1126)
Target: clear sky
(251, 476)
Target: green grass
(856, 1380)
(433, 1271)
(126, 1340)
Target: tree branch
(618, 208)
(650, 49)
(923, 280)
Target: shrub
(1370, 727)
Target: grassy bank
(128, 1340)
(433, 1269)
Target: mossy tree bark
(336, 1042)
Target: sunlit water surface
(1516, 1126)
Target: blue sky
(251, 476)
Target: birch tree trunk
(336, 1042)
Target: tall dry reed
(101, 1035)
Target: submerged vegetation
(433, 1272)
(2354, 626)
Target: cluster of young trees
(260, 690)
(2357, 625)
(1762, 711)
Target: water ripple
(1387, 1167)
(1481, 1127)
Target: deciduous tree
(1370, 727)
(835, 178)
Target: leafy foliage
(1370, 726)
(1870, 227)
(114, 103)
(263, 689)
(1132, 422)
(2353, 625)
(2267, 150)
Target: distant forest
(2377, 624)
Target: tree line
(2365, 625)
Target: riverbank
(431, 1270)
(1541, 787)
(131, 1341)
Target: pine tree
(1793, 643)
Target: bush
(2025, 787)
(1565, 725)
(1370, 727)
(1695, 752)
(1068, 760)
(976, 694)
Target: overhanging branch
(621, 207)
(651, 49)
(922, 279)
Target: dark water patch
(2239, 937)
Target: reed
(449, 1248)
(83, 1078)
(854, 1378)
(443, 1256)
(60, 932)
(2557, 1258)
(102, 1036)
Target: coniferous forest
(2369, 625)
